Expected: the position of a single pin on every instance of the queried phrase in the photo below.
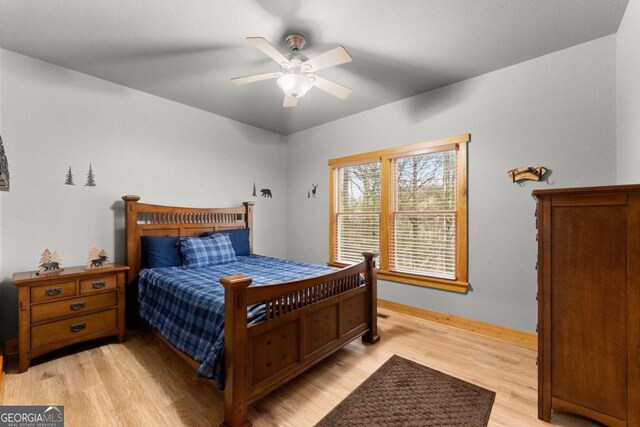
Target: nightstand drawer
(50, 336)
(53, 291)
(98, 284)
(57, 309)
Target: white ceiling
(187, 50)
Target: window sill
(414, 279)
(428, 282)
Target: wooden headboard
(154, 220)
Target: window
(409, 203)
(358, 211)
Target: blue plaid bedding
(187, 306)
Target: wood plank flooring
(141, 383)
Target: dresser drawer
(98, 284)
(53, 291)
(58, 334)
(57, 309)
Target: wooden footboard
(305, 321)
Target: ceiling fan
(297, 76)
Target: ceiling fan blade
(289, 101)
(268, 49)
(255, 78)
(334, 89)
(336, 56)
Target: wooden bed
(306, 320)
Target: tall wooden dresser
(589, 303)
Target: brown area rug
(405, 393)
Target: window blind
(423, 231)
(358, 211)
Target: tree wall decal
(69, 180)
(91, 178)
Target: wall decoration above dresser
(91, 177)
(4, 169)
(532, 173)
(69, 179)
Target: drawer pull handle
(77, 327)
(99, 285)
(78, 305)
(54, 291)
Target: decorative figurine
(49, 263)
(97, 260)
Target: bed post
(131, 215)
(371, 336)
(236, 393)
(248, 219)
(133, 319)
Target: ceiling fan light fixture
(298, 73)
(295, 85)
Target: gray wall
(166, 152)
(628, 67)
(557, 110)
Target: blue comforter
(187, 305)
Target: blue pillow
(198, 252)
(239, 240)
(160, 252)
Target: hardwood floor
(142, 383)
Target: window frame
(385, 157)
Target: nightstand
(72, 306)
